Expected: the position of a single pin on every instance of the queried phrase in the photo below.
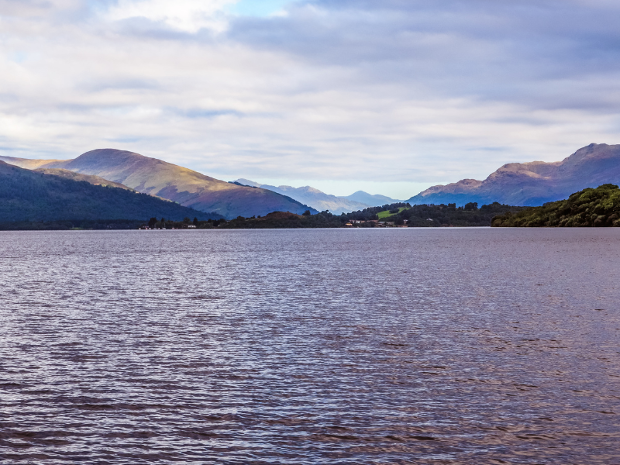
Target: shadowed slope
(34, 196)
(533, 183)
(181, 185)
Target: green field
(386, 213)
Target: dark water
(331, 346)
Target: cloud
(343, 90)
(476, 49)
(185, 15)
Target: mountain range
(529, 184)
(166, 180)
(36, 196)
(322, 201)
(534, 183)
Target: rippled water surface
(310, 346)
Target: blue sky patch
(258, 7)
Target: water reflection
(357, 346)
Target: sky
(386, 96)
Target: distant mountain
(310, 196)
(369, 199)
(27, 195)
(322, 201)
(184, 186)
(246, 182)
(317, 199)
(533, 183)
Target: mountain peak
(110, 153)
(44, 195)
(370, 199)
(533, 183)
(106, 159)
(182, 185)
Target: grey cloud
(336, 89)
(483, 49)
(521, 51)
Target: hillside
(184, 186)
(94, 180)
(533, 183)
(586, 208)
(28, 163)
(38, 197)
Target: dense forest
(275, 220)
(70, 224)
(586, 208)
(43, 201)
(433, 215)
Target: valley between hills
(109, 184)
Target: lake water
(433, 346)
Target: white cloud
(413, 92)
(184, 15)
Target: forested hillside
(37, 197)
(176, 183)
(589, 207)
(432, 215)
